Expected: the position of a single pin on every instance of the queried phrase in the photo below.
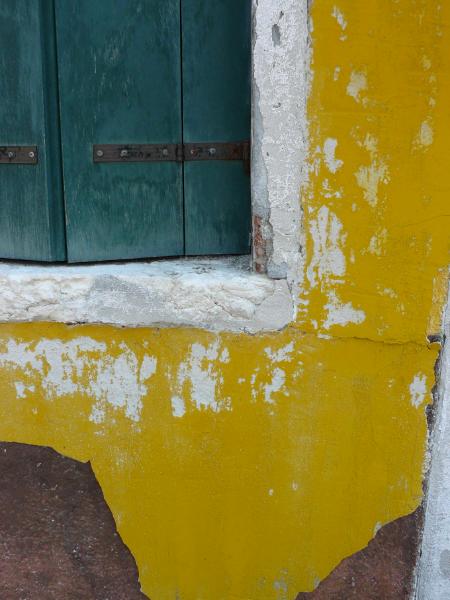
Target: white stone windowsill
(211, 293)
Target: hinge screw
(123, 153)
(31, 154)
(99, 153)
(212, 151)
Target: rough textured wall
(248, 467)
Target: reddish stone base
(383, 570)
(58, 539)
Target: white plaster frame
(220, 293)
(433, 568)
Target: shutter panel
(31, 205)
(216, 107)
(120, 83)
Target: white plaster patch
(178, 406)
(329, 150)
(339, 16)
(425, 135)
(225, 356)
(418, 390)
(23, 390)
(328, 260)
(369, 179)
(370, 143)
(198, 379)
(328, 268)
(282, 354)
(357, 84)
(82, 366)
(389, 292)
(277, 383)
(328, 192)
(341, 313)
(426, 63)
(377, 242)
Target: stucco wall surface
(248, 466)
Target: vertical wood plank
(120, 82)
(31, 204)
(216, 38)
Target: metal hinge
(18, 155)
(125, 153)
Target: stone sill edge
(217, 294)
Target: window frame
(257, 293)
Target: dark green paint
(216, 107)
(119, 73)
(31, 206)
(74, 73)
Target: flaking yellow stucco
(246, 467)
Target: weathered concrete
(215, 294)
(280, 81)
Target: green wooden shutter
(216, 107)
(120, 83)
(122, 67)
(31, 206)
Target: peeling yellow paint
(247, 467)
(217, 502)
(398, 54)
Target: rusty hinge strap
(18, 155)
(217, 151)
(123, 153)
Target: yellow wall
(293, 447)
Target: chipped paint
(356, 85)
(329, 150)
(198, 375)
(281, 354)
(328, 261)
(425, 136)
(277, 383)
(81, 366)
(339, 313)
(338, 15)
(418, 390)
(369, 178)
